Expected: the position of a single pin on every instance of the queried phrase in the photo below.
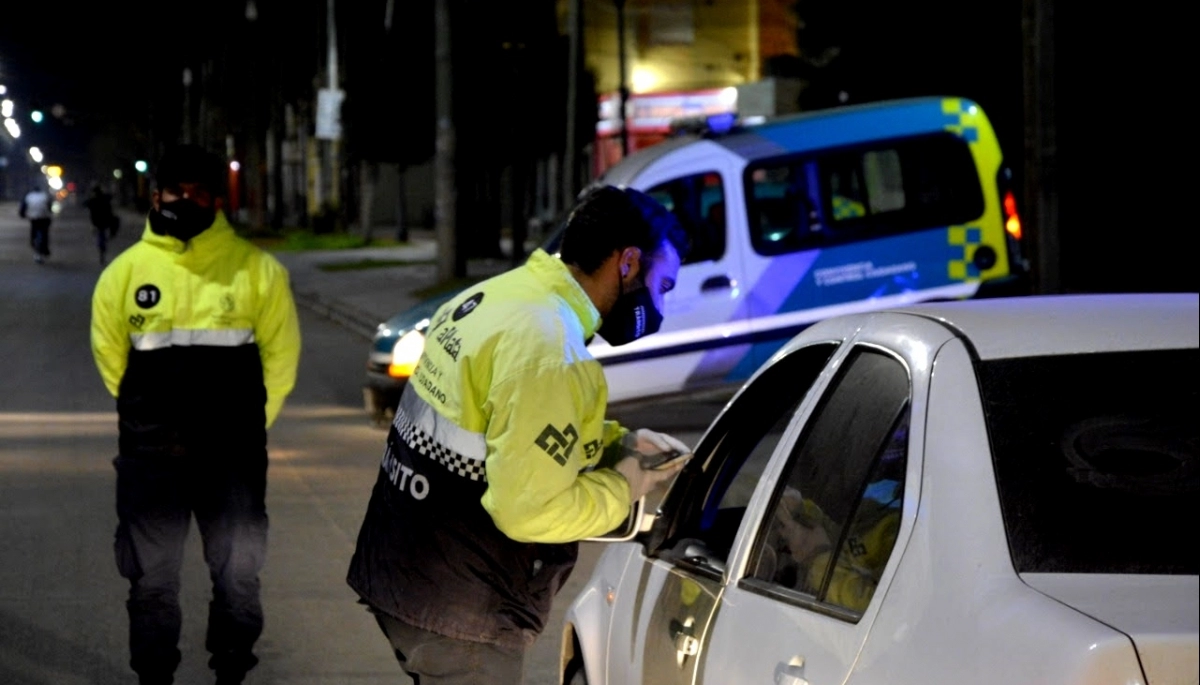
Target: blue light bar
(721, 123)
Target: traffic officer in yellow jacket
(195, 333)
(500, 458)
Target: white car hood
(1159, 613)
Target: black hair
(609, 219)
(191, 164)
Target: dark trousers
(101, 233)
(433, 659)
(156, 498)
(39, 236)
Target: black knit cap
(191, 164)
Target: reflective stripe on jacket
(198, 341)
(490, 474)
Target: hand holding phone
(663, 461)
(648, 470)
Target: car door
(704, 327)
(799, 608)
(669, 591)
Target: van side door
(878, 224)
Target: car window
(832, 525)
(1096, 459)
(704, 509)
(886, 188)
(698, 201)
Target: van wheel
(575, 675)
(383, 418)
(380, 411)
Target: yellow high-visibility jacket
(496, 464)
(199, 342)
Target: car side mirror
(639, 521)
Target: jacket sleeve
(110, 343)
(546, 426)
(277, 332)
(612, 451)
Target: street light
(141, 166)
(36, 116)
(35, 153)
(6, 108)
(13, 129)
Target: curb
(351, 318)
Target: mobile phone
(663, 460)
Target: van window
(874, 191)
(699, 203)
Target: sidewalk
(362, 298)
(358, 298)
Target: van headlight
(406, 353)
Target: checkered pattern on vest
(422, 442)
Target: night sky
(108, 62)
(1123, 80)
(112, 66)
(91, 59)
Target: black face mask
(633, 316)
(183, 219)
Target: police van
(793, 220)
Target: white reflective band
(445, 432)
(183, 337)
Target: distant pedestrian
(36, 207)
(195, 333)
(104, 221)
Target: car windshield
(1096, 460)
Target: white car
(988, 491)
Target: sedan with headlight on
(397, 346)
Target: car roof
(625, 171)
(806, 131)
(852, 125)
(1070, 324)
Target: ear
(154, 199)
(219, 203)
(629, 262)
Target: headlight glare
(405, 354)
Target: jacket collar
(220, 230)
(552, 271)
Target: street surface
(62, 613)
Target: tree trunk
(445, 176)
(519, 214)
(1040, 194)
(575, 61)
(368, 174)
(401, 205)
